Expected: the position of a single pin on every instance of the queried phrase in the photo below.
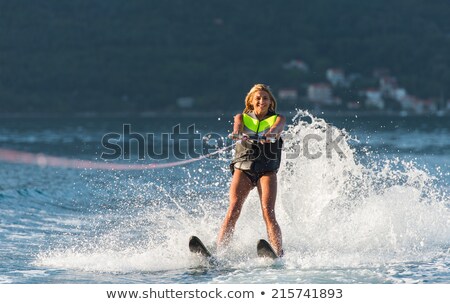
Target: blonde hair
(256, 88)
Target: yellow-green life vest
(254, 126)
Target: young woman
(256, 163)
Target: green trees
(116, 55)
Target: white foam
(5, 280)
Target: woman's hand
(270, 137)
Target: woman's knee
(234, 210)
(269, 217)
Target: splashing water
(338, 209)
(344, 213)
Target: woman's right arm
(238, 127)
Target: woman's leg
(267, 189)
(239, 190)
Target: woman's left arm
(277, 128)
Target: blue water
(378, 215)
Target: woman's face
(260, 102)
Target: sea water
(373, 209)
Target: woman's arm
(277, 128)
(238, 127)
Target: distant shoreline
(209, 114)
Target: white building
(374, 99)
(407, 102)
(399, 94)
(336, 77)
(296, 64)
(424, 106)
(288, 94)
(320, 92)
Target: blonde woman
(256, 163)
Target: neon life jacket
(257, 157)
(253, 126)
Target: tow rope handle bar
(254, 138)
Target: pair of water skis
(263, 249)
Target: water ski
(197, 246)
(264, 250)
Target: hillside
(116, 55)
